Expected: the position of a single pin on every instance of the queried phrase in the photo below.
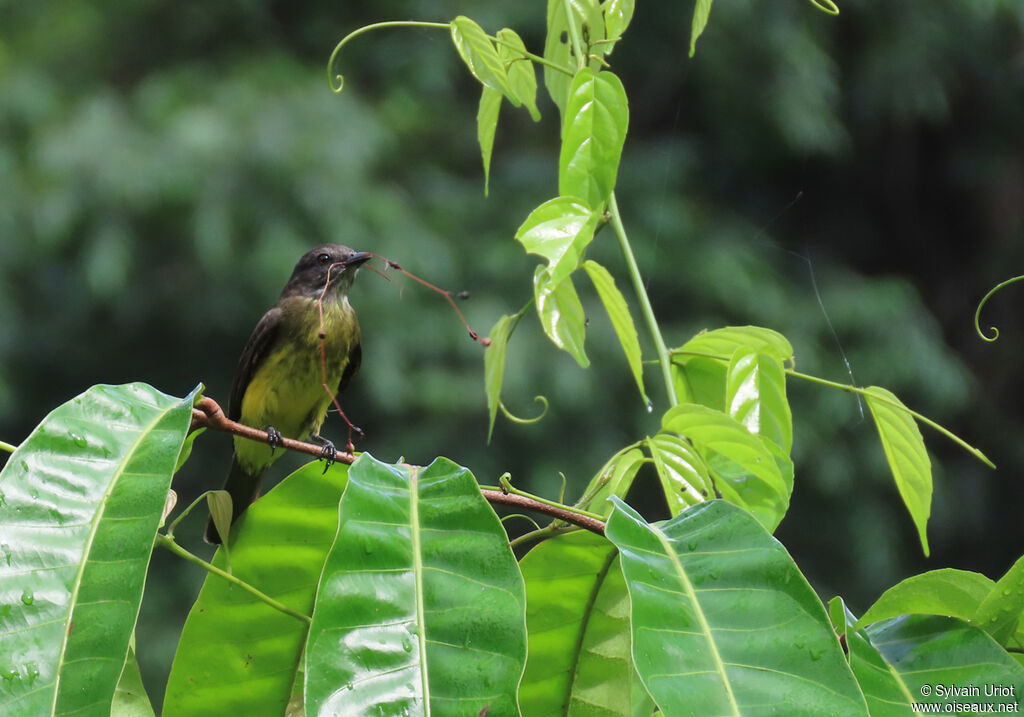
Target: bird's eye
(324, 258)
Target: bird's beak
(358, 258)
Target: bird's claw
(274, 438)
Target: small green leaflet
(622, 321)
(519, 69)
(617, 14)
(586, 24)
(614, 478)
(486, 125)
(561, 314)
(480, 56)
(593, 132)
(1000, 613)
(907, 456)
(559, 230)
(700, 20)
(755, 395)
(682, 472)
(494, 368)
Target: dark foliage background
(853, 181)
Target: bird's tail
(243, 488)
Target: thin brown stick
(496, 496)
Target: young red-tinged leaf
(486, 125)
(700, 20)
(755, 395)
(906, 454)
(559, 230)
(594, 127)
(682, 472)
(481, 57)
(561, 314)
(615, 304)
(494, 368)
(519, 68)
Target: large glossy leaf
(749, 471)
(700, 365)
(1000, 612)
(954, 593)
(486, 125)
(519, 67)
(238, 655)
(561, 314)
(622, 321)
(559, 230)
(614, 478)
(566, 18)
(884, 693)
(494, 368)
(906, 453)
(682, 472)
(755, 395)
(594, 127)
(80, 502)
(578, 621)
(723, 621)
(421, 608)
(481, 57)
(928, 655)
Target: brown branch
(208, 414)
(521, 501)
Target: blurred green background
(163, 165)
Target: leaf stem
(169, 543)
(574, 35)
(526, 53)
(507, 487)
(4, 446)
(664, 355)
(184, 513)
(331, 77)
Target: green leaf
(561, 314)
(885, 694)
(1000, 612)
(955, 593)
(559, 230)
(700, 21)
(924, 652)
(221, 510)
(80, 502)
(682, 472)
(755, 395)
(238, 655)
(617, 15)
(747, 470)
(699, 366)
(584, 19)
(494, 368)
(130, 698)
(723, 622)
(481, 57)
(421, 607)
(593, 132)
(622, 321)
(486, 126)
(907, 456)
(614, 478)
(578, 622)
(519, 67)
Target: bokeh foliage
(163, 165)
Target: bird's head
(333, 266)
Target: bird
(279, 381)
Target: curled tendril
(826, 6)
(536, 525)
(333, 78)
(526, 421)
(977, 312)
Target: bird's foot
(274, 438)
(327, 450)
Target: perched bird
(279, 381)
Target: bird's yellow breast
(287, 389)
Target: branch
(208, 414)
(521, 501)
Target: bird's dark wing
(355, 357)
(256, 349)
